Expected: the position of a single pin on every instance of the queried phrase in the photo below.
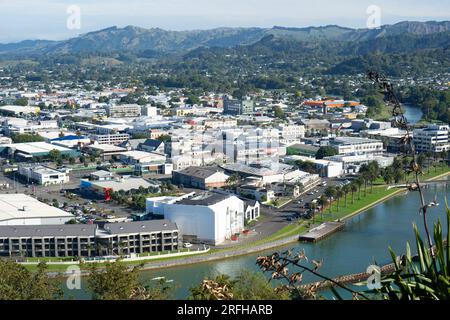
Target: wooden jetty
(322, 231)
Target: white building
(207, 217)
(21, 126)
(434, 138)
(114, 139)
(326, 168)
(353, 145)
(291, 133)
(123, 110)
(352, 163)
(43, 175)
(20, 209)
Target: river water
(364, 240)
(412, 113)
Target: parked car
(187, 245)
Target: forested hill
(133, 39)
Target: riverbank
(284, 236)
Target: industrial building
(20, 209)
(207, 217)
(325, 168)
(42, 175)
(200, 177)
(34, 150)
(103, 189)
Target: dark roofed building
(138, 237)
(200, 177)
(152, 145)
(68, 240)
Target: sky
(56, 19)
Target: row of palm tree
(368, 174)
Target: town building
(325, 168)
(114, 139)
(68, 240)
(433, 138)
(200, 177)
(207, 217)
(103, 188)
(237, 107)
(21, 209)
(356, 145)
(88, 240)
(352, 163)
(123, 110)
(34, 150)
(42, 175)
(138, 237)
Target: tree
(339, 194)
(24, 137)
(246, 286)
(278, 112)
(330, 192)
(323, 201)
(117, 282)
(72, 160)
(18, 283)
(353, 188)
(54, 155)
(346, 189)
(388, 175)
(326, 151)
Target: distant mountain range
(134, 39)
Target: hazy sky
(47, 19)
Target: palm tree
(313, 208)
(339, 194)
(353, 188)
(388, 175)
(374, 171)
(346, 189)
(359, 182)
(323, 200)
(330, 193)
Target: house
(200, 177)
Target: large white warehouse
(207, 217)
(20, 209)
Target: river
(412, 113)
(364, 240)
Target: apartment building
(137, 237)
(123, 110)
(84, 240)
(69, 240)
(114, 139)
(237, 107)
(433, 138)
